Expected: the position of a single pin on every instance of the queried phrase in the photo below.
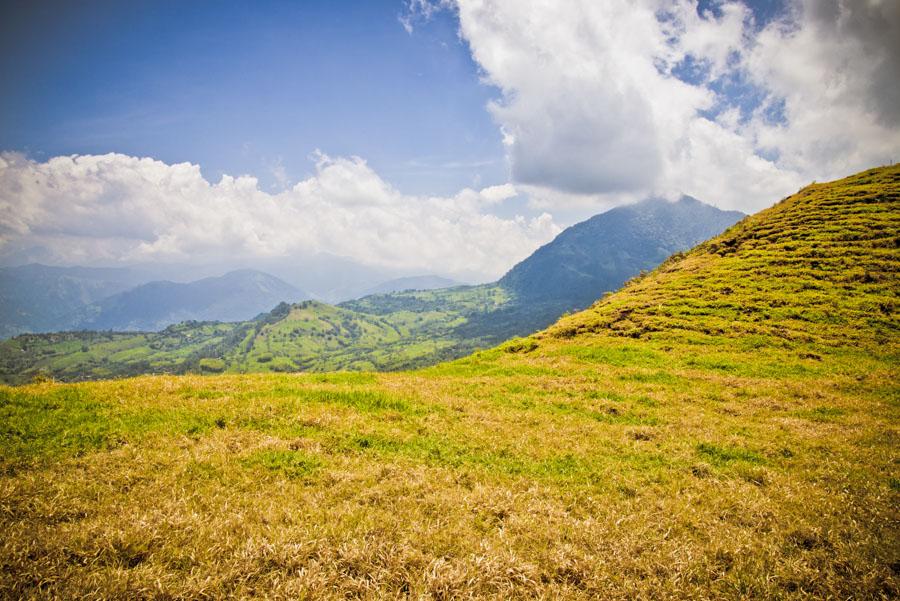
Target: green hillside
(725, 427)
(314, 336)
(95, 355)
(819, 268)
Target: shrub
(520, 345)
(212, 365)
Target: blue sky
(481, 127)
(243, 87)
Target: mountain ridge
(603, 252)
(37, 296)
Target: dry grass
(663, 444)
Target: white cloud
(497, 194)
(569, 121)
(279, 173)
(836, 66)
(593, 113)
(420, 9)
(85, 209)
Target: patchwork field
(724, 427)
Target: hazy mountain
(327, 277)
(419, 282)
(34, 297)
(39, 298)
(600, 254)
(322, 275)
(235, 296)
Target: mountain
(37, 298)
(235, 296)
(34, 297)
(724, 427)
(602, 253)
(398, 330)
(420, 282)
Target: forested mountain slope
(600, 254)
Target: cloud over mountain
(85, 209)
(621, 98)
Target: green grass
(720, 455)
(290, 464)
(710, 431)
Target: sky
(249, 88)
(447, 136)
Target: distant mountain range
(395, 330)
(235, 296)
(38, 298)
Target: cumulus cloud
(604, 102)
(85, 209)
(835, 66)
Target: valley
(398, 330)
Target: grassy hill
(724, 427)
(314, 336)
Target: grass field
(724, 427)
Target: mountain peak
(601, 253)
